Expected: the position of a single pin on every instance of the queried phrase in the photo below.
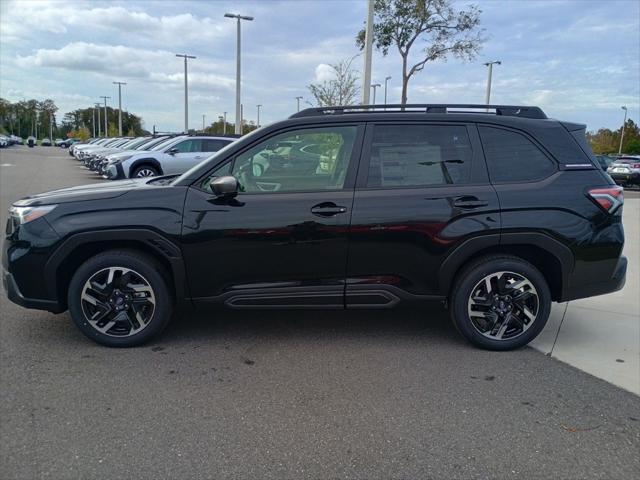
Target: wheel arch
(78, 248)
(554, 260)
(145, 161)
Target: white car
(174, 156)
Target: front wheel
(145, 171)
(120, 298)
(500, 302)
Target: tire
(506, 322)
(145, 171)
(131, 309)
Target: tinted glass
(284, 163)
(417, 155)
(189, 146)
(209, 145)
(512, 157)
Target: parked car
(105, 159)
(496, 216)
(31, 141)
(95, 156)
(68, 142)
(625, 170)
(80, 151)
(58, 141)
(17, 140)
(45, 142)
(176, 155)
(4, 141)
(604, 161)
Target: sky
(577, 59)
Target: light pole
(221, 119)
(368, 49)
(624, 123)
(203, 116)
(490, 65)
(186, 92)
(98, 115)
(374, 87)
(224, 125)
(238, 113)
(93, 121)
(106, 129)
(119, 106)
(298, 100)
(258, 122)
(386, 80)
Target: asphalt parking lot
(266, 394)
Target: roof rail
(504, 110)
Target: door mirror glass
(224, 187)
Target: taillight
(609, 199)
(636, 165)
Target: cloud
(324, 73)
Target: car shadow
(433, 324)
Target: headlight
(28, 214)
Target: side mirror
(173, 151)
(224, 187)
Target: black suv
(494, 210)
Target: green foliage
(442, 30)
(606, 141)
(341, 90)
(217, 128)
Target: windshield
(134, 143)
(152, 143)
(166, 143)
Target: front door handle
(327, 209)
(469, 202)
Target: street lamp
(186, 92)
(238, 114)
(258, 122)
(374, 87)
(224, 125)
(119, 106)
(624, 123)
(386, 80)
(490, 65)
(203, 116)
(97, 106)
(106, 129)
(298, 100)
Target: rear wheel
(145, 171)
(120, 298)
(500, 302)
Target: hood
(95, 191)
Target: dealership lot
(365, 394)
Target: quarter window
(512, 157)
(419, 155)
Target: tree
(341, 90)
(606, 141)
(435, 23)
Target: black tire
(145, 168)
(145, 269)
(468, 282)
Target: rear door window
(512, 157)
(419, 155)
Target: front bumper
(114, 171)
(13, 293)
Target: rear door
(422, 191)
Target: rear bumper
(13, 293)
(633, 177)
(613, 284)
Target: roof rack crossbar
(504, 110)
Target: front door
(283, 240)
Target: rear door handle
(327, 209)
(469, 202)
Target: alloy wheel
(118, 301)
(503, 305)
(145, 172)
